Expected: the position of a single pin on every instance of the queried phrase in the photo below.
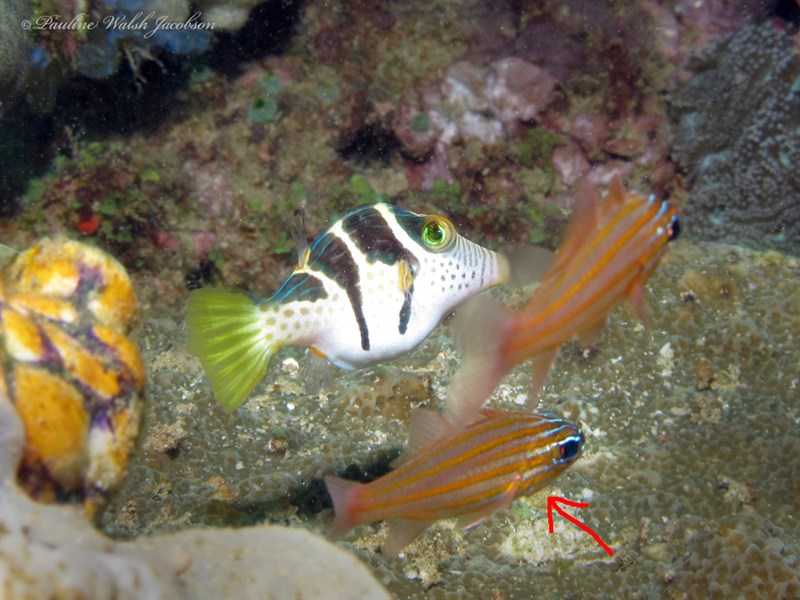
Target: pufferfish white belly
(369, 289)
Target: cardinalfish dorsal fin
(426, 427)
(582, 225)
(616, 194)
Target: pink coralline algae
(682, 28)
(472, 102)
(441, 124)
(597, 146)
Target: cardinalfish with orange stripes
(611, 248)
(369, 289)
(468, 473)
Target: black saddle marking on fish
(331, 256)
(373, 236)
(300, 286)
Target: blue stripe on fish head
(300, 287)
(410, 222)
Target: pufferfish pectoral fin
(226, 332)
(406, 275)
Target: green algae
(537, 145)
(362, 189)
(264, 110)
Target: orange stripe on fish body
(611, 248)
(467, 473)
(622, 253)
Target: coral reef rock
(737, 135)
(472, 102)
(49, 551)
(692, 447)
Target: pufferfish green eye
(438, 233)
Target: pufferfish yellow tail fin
(227, 333)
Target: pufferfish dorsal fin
(297, 230)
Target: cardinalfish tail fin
(230, 334)
(478, 331)
(342, 493)
(528, 264)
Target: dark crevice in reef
(368, 143)
(787, 10)
(269, 30)
(313, 497)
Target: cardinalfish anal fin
(369, 289)
(611, 248)
(468, 473)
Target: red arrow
(552, 504)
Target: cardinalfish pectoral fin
(478, 329)
(401, 533)
(541, 367)
(591, 334)
(470, 520)
(227, 333)
(636, 296)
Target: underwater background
(184, 151)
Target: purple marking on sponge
(50, 354)
(102, 420)
(90, 279)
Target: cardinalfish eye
(571, 447)
(438, 233)
(674, 228)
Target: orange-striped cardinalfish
(369, 289)
(468, 473)
(611, 248)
